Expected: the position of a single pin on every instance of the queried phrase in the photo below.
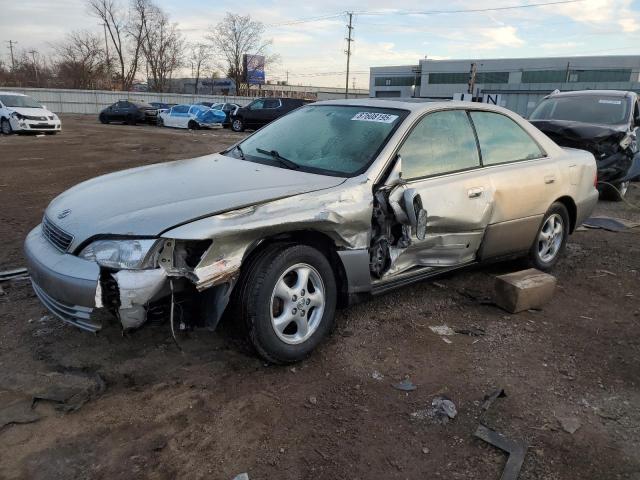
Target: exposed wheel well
(312, 238)
(570, 205)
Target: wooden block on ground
(524, 290)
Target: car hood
(567, 133)
(36, 112)
(147, 201)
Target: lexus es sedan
(333, 202)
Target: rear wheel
(5, 127)
(131, 120)
(160, 122)
(551, 238)
(103, 119)
(193, 125)
(287, 300)
(615, 192)
(237, 125)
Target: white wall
(93, 101)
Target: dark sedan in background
(262, 111)
(130, 112)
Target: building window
(405, 81)
(492, 77)
(544, 76)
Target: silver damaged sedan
(329, 204)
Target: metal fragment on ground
(13, 273)
(18, 412)
(492, 397)
(405, 385)
(515, 448)
(610, 224)
(442, 330)
(471, 331)
(569, 423)
(441, 411)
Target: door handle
(475, 192)
(549, 179)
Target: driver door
(441, 164)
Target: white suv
(21, 113)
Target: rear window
(599, 109)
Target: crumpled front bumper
(64, 283)
(35, 125)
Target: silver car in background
(331, 203)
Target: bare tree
(125, 34)
(81, 61)
(161, 42)
(200, 59)
(235, 36)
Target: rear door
(526, 182)
(441, 163)
(180, 116)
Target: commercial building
(515, 83)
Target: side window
(271, 103)
(441, 142)
(180, 109)
(257, 105)
(503, 140)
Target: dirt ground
(214, 411)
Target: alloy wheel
(297, 303)
(550, 238)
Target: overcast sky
(313, 52)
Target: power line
(468, 10)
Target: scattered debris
(442, 330)
(425, 450)
(446, 340)
(610, 224)
(478, 297)
(515, 448)
(441, 411)
(313, 400)
(13, 274)
(492, 397)
(18, 412)
(471, 331)
(405, 385)
(569, 423)
(439, 285)
(376, 375)
(524, 290)
(242, 476)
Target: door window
(502, 140)
(257, 105)
(442, 142)
(271, 103)
(180, 109)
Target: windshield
(19, 101)
(600, 109)
(327, 139)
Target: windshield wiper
(284, 161)
(237, 147)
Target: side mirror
(416, 214)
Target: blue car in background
(192, 117)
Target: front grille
(31, 117)
(56, 236)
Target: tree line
(138, 40)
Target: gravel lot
(213, 410)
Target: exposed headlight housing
(17, 115)
(135, 254)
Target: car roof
(594, 93)
(14, 94)
(412, 104)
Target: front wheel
(288, 300)
(160, 122)
(103, 119)
(5, 127)
(131, 120)
(551, 238)
(237, 125)
(193, 125)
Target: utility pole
(348, 52)
(472, 79)
(13, 62)
(106, 51)
(566, 78)
(35, 65)
(287, 77)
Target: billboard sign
(253, 69)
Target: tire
(551, 238)
(616, 194)
(131, 120)
(306, 313)
(160, 122)
(237, 125)
(103, 119)
(5, 127)
(193, 125)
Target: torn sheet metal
(516, 449)
(136, 288)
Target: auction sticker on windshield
(611, 102)
(375, 117)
